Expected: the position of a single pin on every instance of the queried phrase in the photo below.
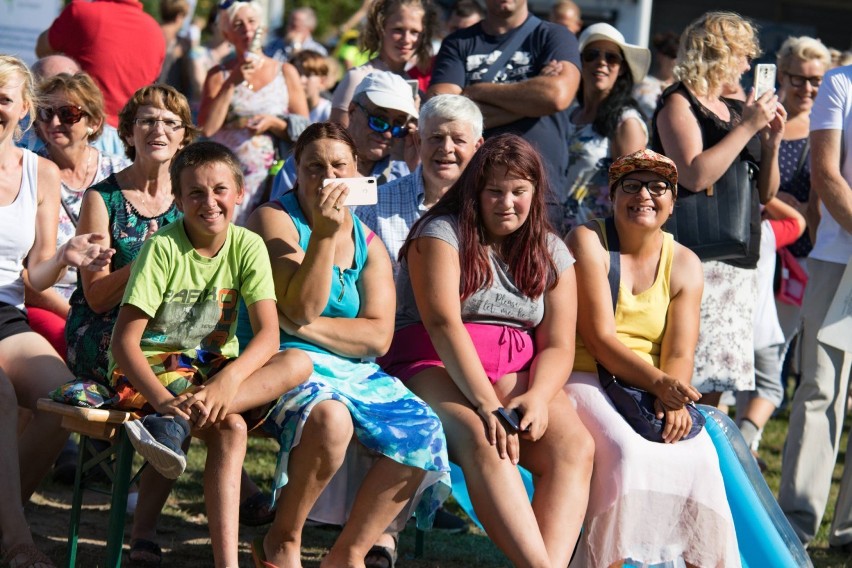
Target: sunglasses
(800, 80)
(225, 4)
(67, 114)
(656, 188)
(380, 125)
(611, 58)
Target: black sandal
(382, 556)
(145, 554)
(255, 511)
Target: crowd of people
(177, 242)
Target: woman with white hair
(249, 102)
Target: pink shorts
(501, 349)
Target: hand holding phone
(362, 190)
(510, 417)
(764, 79)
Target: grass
(184, 534)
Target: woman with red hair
(486, 309)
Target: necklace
(85, 179)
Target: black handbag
(716, 223)
(635, 405)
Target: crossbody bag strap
(803, 156)
(614, 278)
(508, 47)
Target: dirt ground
(186, 541)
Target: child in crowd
(174, 353)
(313, 71)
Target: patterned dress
(255, 152)
(88, 333)
(389, 419)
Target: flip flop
(382, 556)
(259, 555)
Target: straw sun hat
(638, 59)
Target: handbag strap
(508, 47)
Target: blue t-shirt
(466, 54)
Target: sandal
(382, 556)
(255, 510)
(145, 554)
(259, 555)
(32, 556)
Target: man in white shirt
(819, 406)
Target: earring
(89, 131)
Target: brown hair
(308, 62)
(158, 96)
(205, 153)
(80, 89)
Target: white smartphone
(415, 87)
(362, 190)
(764, 78)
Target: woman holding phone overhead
(705, 133)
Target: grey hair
(453, 108)
(231, 12)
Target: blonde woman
(704, 133)
(399, 33)
(29, 367)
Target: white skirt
(724, 356)
(650, 503)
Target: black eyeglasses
(656, 188)
(799, 80)
(611, 58)
(68, 114)
(380, 125)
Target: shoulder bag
(635, 405)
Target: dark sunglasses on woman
(611, 58)
(68, 114)
(380, 125)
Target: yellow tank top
(640, 320)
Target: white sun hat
(638, 59)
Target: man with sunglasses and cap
(382, 110)
(522, 72)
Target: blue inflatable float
(764, 536)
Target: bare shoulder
(687, 272)
(586, 241)
(271, 221)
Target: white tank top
(17, 233)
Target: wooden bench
(116, 462)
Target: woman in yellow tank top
(650, 503)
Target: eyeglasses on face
(380, 125)
(612, 58)
(656, 188)
(147, 123)
(68, 114)
(799, 80)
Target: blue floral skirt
(388, 418)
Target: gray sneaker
(158, 439)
